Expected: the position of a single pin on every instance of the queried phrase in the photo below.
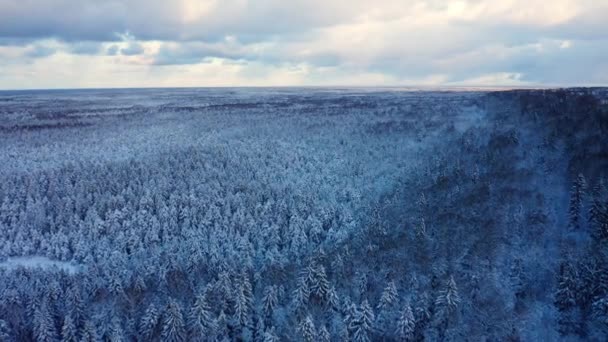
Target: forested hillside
(304, 215)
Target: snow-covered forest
(304, 215)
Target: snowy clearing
(39, 262)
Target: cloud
(85, 48)
(132, 49)
(309, 41)
(40, 51)
(112, 50)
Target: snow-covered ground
(40, 262)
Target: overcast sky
(181, 43)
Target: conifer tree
(333, 302)
(570, 320)
(360, 327)
(149, 322)
(89, 332)
(386, 308)
(307, 330)
(201, 324)
(319, 285)
(116, 332)
(406, 325)
(44, 327)
(301, 295)
(222, 326)
(69, 332)
(270, 299)
(389, 296)
(324, 335)
(173, 323)
(241, 308)
(271, 336)
(448, 299)
(576, 201)
(260, 328)
(565, 297)
(5, 333)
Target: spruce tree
(241, 308)
(89, 332)
(448, 299)
(576, 201)
(222, 326)
(200, 321)
(324, 335)
(386, 309)
(5, 333)
(69, 332)
(270, 299)
(565, 297)
(116, 332)
(270, 335)
(361, 325)
(173, 323)
(406, 325)
(389, 296)
(307, 330)
(44, 326)
(149, 322)
(319, 285)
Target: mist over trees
(306, 215)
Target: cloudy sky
(156, 43)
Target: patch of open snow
(39, 262)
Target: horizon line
(388, 87)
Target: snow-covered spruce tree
(116, 332)
(422, 311)
(600, 316)
(566, 300)
(75, 304)
(361, 283)
(201, 324)
(333, 301)
(247, 289)
(270, 335)
(222, 326)
(598, 212)
(565, 297)
(242, 309)
(446, 306)
(270, 299)
(225, 290)
(89, 332)
(576, 201)
(5, 332)
(44, 326)
(307, 330)
(361, 325)
(259, 329)
(115, 287)
(173, 329)
(516, 277)
(448, 298)
(149, 323)
(386, 309)
(406, 325)
(319, 285)
(324, 335)
(69, 332)
(389, 296)
(301, 295)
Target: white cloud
(301, 42)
